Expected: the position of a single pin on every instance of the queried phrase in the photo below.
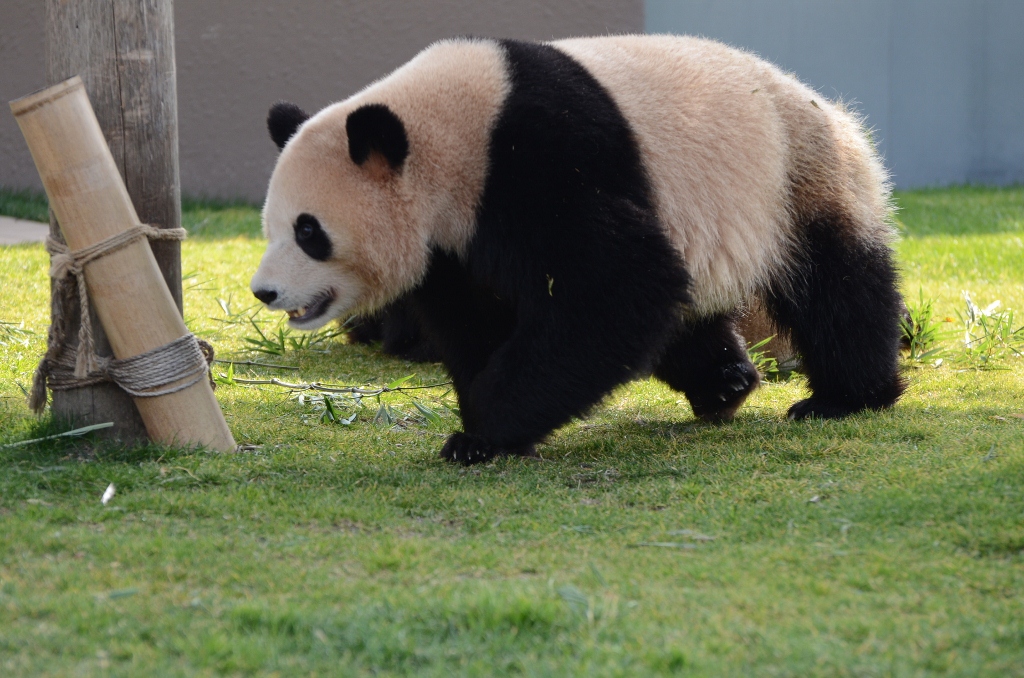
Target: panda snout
(265, 295)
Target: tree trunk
(124, 52)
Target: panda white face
(303, 271)
(337, 215)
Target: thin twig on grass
(335, 388)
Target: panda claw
(468, 449)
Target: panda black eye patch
(310, 237)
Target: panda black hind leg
(708, 362)
(842, 304)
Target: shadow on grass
(91, 447)
(612, 448)
(621, 439)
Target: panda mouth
(312, 310)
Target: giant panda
(567, 216)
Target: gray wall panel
(1003, 154)
(22, 70)
(935, 123)
(941, 82)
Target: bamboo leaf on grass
(384, 416)
(430, 415)
(332, 415)
(74, 432)
(397, 383)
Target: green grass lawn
(644, 544)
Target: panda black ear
(374, 128)
(283, 120)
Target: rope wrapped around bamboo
(148, 374)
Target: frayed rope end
(37, 396)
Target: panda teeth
(314, 309)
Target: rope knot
(145, 375)
(62, 264)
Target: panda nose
(266, 296)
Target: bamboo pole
(126, 287)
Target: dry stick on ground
(332, 388)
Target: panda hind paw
(734, 382)
(813, 408)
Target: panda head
(338, 217)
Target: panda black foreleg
(842, 304)
(544, 376)
(463, 323)
(599, 326)
(707, 361)
(402, 333)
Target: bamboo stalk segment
(126, 287)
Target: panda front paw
(468, 449)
